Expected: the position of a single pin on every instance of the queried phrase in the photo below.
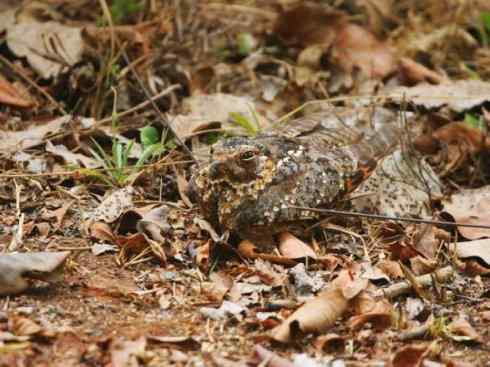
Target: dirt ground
(108, 110)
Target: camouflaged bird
(254, 186)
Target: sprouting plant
(123, 9)
(474, 121)
(241, 46)
(252, 127)
(246, 43)
(484, 28)
(118, 166)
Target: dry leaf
(355, 47)
(474, 268)
(22, 326)
(14, 268)
(471, 206)
(9, 95)
(460, 330)
(8, 9)
(270, 274)
(317, 314)
(248, 250)
(226, 310)
(378, 313)
(207, 111)
(182, 342)
(202, 256)
(330, 343)
(59, 214)
(220, 283)
(293, 248)
(76, 159)
(102, 248)
(479, 249)
(102, 232)
(414, 307)
(398, 187)
(309, 24)
(409, 356)
(49, 47)
(182, 186)
(13, 141)
(412, 73)
(107, 284)
(304, 283)
(124, 353)
(420, 265)
(267, 358)
(423, 236)
(459, 95)
(463, 135)
(113, 205)
(390, 268)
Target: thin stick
(138, 107)
(164, 121)
(404, 287)
(387, 217)
(33, 84)
(88, 170)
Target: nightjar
(254, 187)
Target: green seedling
(121, 10)
(117, 165)
(252, 127)
(474, 121)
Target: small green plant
(119, 169)
(483, 28)
(474, 121)
(246, 43)
(252, 127)
(121, 10)
(241, 46)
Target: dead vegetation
(109, 108)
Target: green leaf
(147, 153)
(101, 155)
(473, 121)
(170, 145)
(149, 135)
(246, 43)
(484, 28)
(127, 152)
(118, 154)
(212, 137)
(242, 121)
(485, 18)
(122, 9)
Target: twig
(387, 217)
(416, 332)
(81, 171)
(392, 96)
(142, 105)
(107, 14)
(164, 121)
(269, 15)
(425, 280)
(74, 248)
(33, 84)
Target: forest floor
(109, 108)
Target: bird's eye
(248, 155)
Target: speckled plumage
(252, 185)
